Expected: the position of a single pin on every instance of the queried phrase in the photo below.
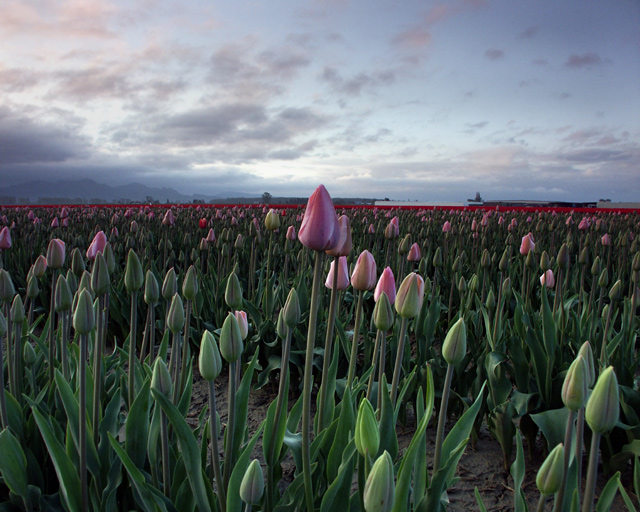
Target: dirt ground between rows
(481, 466)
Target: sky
(410, 100)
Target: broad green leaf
(136, 428)
(608, 494)
(234, 503)
(344, 433)
(13, 464)
(242, 401)
(274, 434)
(552, 424)
(518, 474)
(338, 492)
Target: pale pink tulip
(343, 274)
(97, 245)
(291, 234)
(584, 224)
(5, 238)
(547, 279)
(320, 229)
(527, 244)
(243, 323)
(606, 239)
(415, 254)
(169, 218)
(365, 272)
(211, 236)
(343, 247)
(386, 284)
(446, 227)
(55, 223)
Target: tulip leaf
(388, 435)
(234, 502)
(608, 494)
(552, 424)
(338, 492)
(625, 497)
(242, 400)
(343, 434)
(479, 500)
(274, 434)
(136, 427)
(13, 464)
(518, 474)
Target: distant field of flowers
(520, 321)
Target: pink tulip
(446, 227)
(474, 225)
(343, 247)
(365, 272)
(500, 220)
(386, 284)
(584, 224)
(256, 224)
(343, 274)
(211, 236)
(372, 230)
(485, 221)
(97, 245)
(243, 323)
(114, 232)
(392, 231)
(5, 238)
(547, 279)
(55, 223)
(291, 234)
(320, 229)
(234, 221)
(410, 296)
(527, 244)
(414, 253)
(606, 239)
(31, 216)
(169, 218)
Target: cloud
(494, 54)
(583, 61)
(528, 33)
(358, 83)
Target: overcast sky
(405, 99)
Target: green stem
(308, 378)
(231, 416)
(17, 356)
(213, 430)
(579, 442)
(442, 417)
(64, 347)
(185, 348)
(354, 342)
(97, 368)
(3, 404)
(52, 341)
(557, 506)
(82, 427)
(590, 488)
(541, 501)
(383, 350)
(132, 347)
(374, 361)
(175, 365)
(399, 357)
(166, 469)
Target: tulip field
(385, 343)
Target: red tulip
(343, 274)
(386, 284)
(320, 229)
(5, 238)
(365, 272)
(202, 223)
(97, 245)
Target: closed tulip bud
(291, 234)
(5, 238)
(462, 285)
(446, 227)
(454, 346)
(595, 267)
(64, 297)
(587, 354)
(97, 245)
(243, 323)
(563, 257)
(100, 276)
(272, 220)
(386, 284)
(506, 287)
(491, 301)
(29, 354)
(56, 253)
(169, 218)
(252, 485)
(151, 289)
(16, 314)
(84, 316)
(504, 261)
(40, 266)
(545, 261)
(530, 261)
(209, 361)
(437, 258)
(364, 273)
(583, 259)
(473, 284)
(204, 245)
(380, 489)
(343, 246)
(383, 313)
(190, 284)
(175, 316)
(635, 265)
(456, 264)
(405, 244)
(170, 284)
(291, 310)
(547, 279)
(574, 388)
(485, 261)
(281, 326)
(7, 290)
(367, 433)
(231, 346)
(550, 474)
(109, 258)
(527, 245)
(233, 292)
(415, 254)
(603, 280)
(133, 275)
(606, 239)
(603, 407)
(392, 231)
(616, 291)
(410, 296)
(320, 229)
(161, 378)
(343, 274)
(33, 290)
(77, 263)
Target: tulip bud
(241, 317)
(40, 266)
(529, 261)
(252, 485)
(410, 296)
(550, 475)
(33, 290)
(545, 261)
(231, 345)
(55, 254)
(84, 316)
(595, 267)
(320, 229)
(405, 244)
(504, 261)
(616, 291)
(547, 279)
(603, 407)
(7, 290)
(161, 378)
(527, 245)
(64, 297)
(491, 301)
(343, 246)
(383, 313)
(455, 267)
(291, 310)
(386, 284)
(587, 354)
(175, 316)
(16, 314)
(29, 354)
(77, 263)
(233, 292)
(364, 273)
(437, 258)
(281, 326)
(574, 388)
(98, 244)
(454, 346)
(380, 489)
(415, 254)
(209, 361)
(563, 257)
(133, 275)
(462, 285)
(367, 434)
(100, 276)
(151, 289)
(190, 284)
(170, 284)
(485, 261)
(109, 258)
(603, 280)
(583, 259)
(343, 274)
(272, 220)
(5, 238)
(635, 265)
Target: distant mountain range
(90, 191)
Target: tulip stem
(97, 366)
(557, 506)
(166, 469)
(579, 442)
(3, 403)
(82, 427)
(213, 431)
(354, 342)
(381, 369)
(328, 347)
(52, 341)
(132, 346)
(308, 379)
(374, 358)
(590, 487)
(185, 348)
(231, 416)
(442, 417)
(399, 357)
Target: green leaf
(188, 449)
(242, 401)
(388, 435)
(518, 474)
(136, 428)
(553, 424)
(625, 497)
(343, 435)
(479, 501)
(234, 503)
(608, 493)
(65, 470)
(338, 492)
(274, 434)
(13, 464)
